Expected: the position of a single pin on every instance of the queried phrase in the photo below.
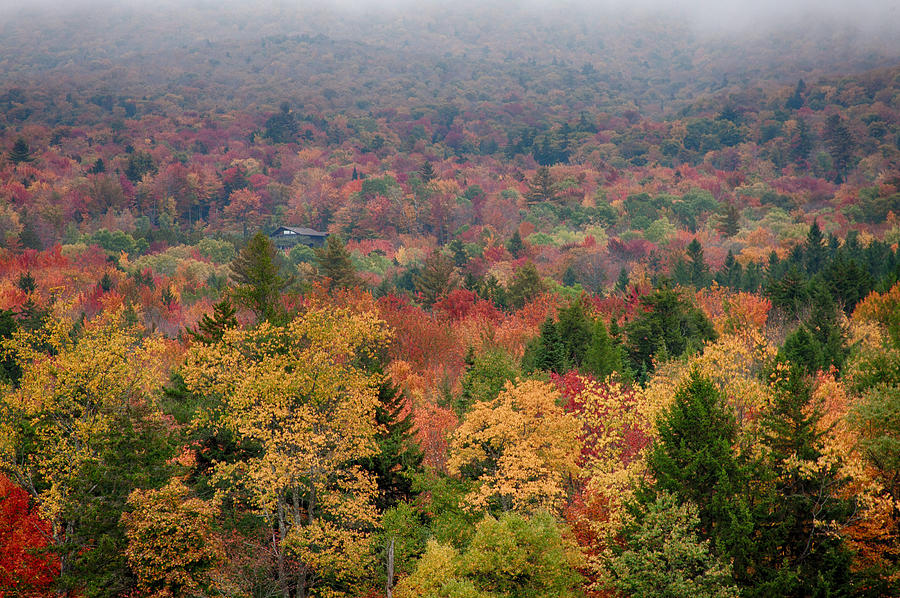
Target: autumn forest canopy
(588, 300)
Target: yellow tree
(171, 548)
(299, 394)
(78, 433)
(522, 448)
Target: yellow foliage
(75, 389)
(171, 548)
(522, 447)
(296, 392)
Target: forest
(609, 303)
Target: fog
(708, 16)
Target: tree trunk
(390, 569)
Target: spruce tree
(603, 355)
(622, 282)
(436, 278)
(426, 172)
(800, 551)
(814, 249)
(398, 456)
(335, 265)
(20, 152)
(515, 245)
(258, 285)
(541, 187)
(840, 145)
(525, 286)
(699, 270)
(210, 330)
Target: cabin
(288, 236)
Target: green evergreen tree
(484, 378)
(840, 145)
(426, 172)
(622, 282)
(814, 250)
(282, 126)
(211, 329)
(800, 551)
(525, 286)
(335, 265)
(515, 244)
(541, 187)
(699, 270)
(668, 324)
(694, 459)
(603, 355)
(258, 285)
(435, 279)
(399, 457)
(20, 152)
(730, 223)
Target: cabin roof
(302, 231)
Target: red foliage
(25, 570)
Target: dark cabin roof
(308, 232)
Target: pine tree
(525, 286)
(699, 270)
(814, 249)
(694, 459)
(426, 172)
(573, 328)
(399, 456)
(840, 145)
(731, 221)
(800, 553)
(603, 355)
(515, 245)
(20, 152)
(540, 188)
(211, 329)
(436, 278)
(622, 282)
(335, 265)
(255, 272)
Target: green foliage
(435, 279)
(334, 263)
(819, 342)
(258, 284)
(139, 164)
(798, 550)
(525, 286)
(20, 152)
(510, 557)
(282, 127)
(218, 252)
(485, 376)
(403, 524)
(693, 459)
(210, 330)
(398, 458)
(663, 554)
(115, 242)
(668, 324)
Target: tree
(210, 330)
(693, 459)
(801, 551)
(515, 244)
(335, 265)
(512, 556)
(399, 456)
(436, 278)
(139, 164)
(663, 554)
(299, 393)
(171, 547)
(255, 273)
(840, 145)
(426, 172)
(525, 286)
(78, 434)
(281, 127)
(245, 208)
(521, 448)
(730, 223)
(485, 376)
(668, 324)
(20, 152)
(603, 356)
(699, 270)
(541, 187)
(814, 249)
